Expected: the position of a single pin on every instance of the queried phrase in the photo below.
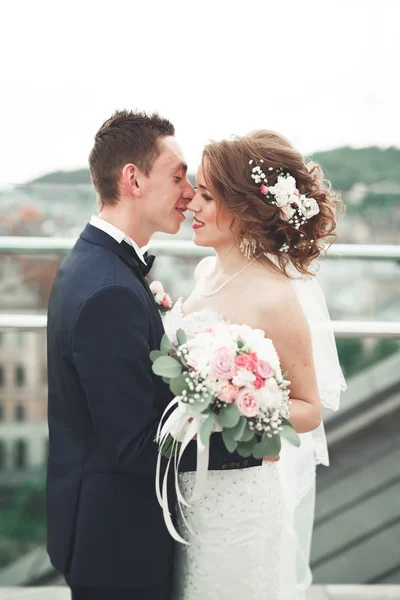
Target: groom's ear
(131, 180)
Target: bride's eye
(179, 178)
(206, 197)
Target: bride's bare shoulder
(204, 267)
(278, 309)
(273, 294)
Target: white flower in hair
(308, 206)
(284, 190)
(288, 210)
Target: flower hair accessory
(296, 208)
(162, 299)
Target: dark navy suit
(105, 528)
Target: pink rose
(166, 301)
(252, 361)
(247, 361)
(247, 400)
(223, 363)
(264, 189)
(241, 360)
(259, 382)
(228, 393)
(264, 369)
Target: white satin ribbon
(183, 427)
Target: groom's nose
(188, 192)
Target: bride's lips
(197, 224)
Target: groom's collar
(97, 236)
(117, 234)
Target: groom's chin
(170, 228)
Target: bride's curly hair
(227, 173)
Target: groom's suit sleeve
(111, 352)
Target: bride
(267, 215)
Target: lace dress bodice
(175, 319)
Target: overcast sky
(322, 72)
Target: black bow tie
(149, 258)
(145, 268)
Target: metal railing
(44, 245)
(342, 329)
(179, 248)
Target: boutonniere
(162, 299)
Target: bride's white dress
(249, 539)
(240, 544)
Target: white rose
(159, 297)
(287, 183)
(198, 358)
(281, 197)
(243, 378)
(283, 190)
(202, 340)
(156, 287)
(309, 206)
(271, 395)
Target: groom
(106, 532)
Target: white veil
(298, 465)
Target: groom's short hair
(126, 137)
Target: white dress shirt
(117, 234)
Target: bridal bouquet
(226, 378)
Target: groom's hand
(269, 459)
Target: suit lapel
(128, 256)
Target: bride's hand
(269, 459)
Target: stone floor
(318, 592)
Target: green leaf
(166, 366)
(165, 344)
(245, 449)
(267, 447)
(229, 416)
(167, 380)
(229, 442)
(289, 434)
(178, 384)
(260, 450)
(154, 354)
(274, 443)
(181, 337)
(247, 435)
(205, 429)
(286, 373)
(199, 407)
(238, 430)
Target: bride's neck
(229, 260)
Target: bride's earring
(248, 247)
